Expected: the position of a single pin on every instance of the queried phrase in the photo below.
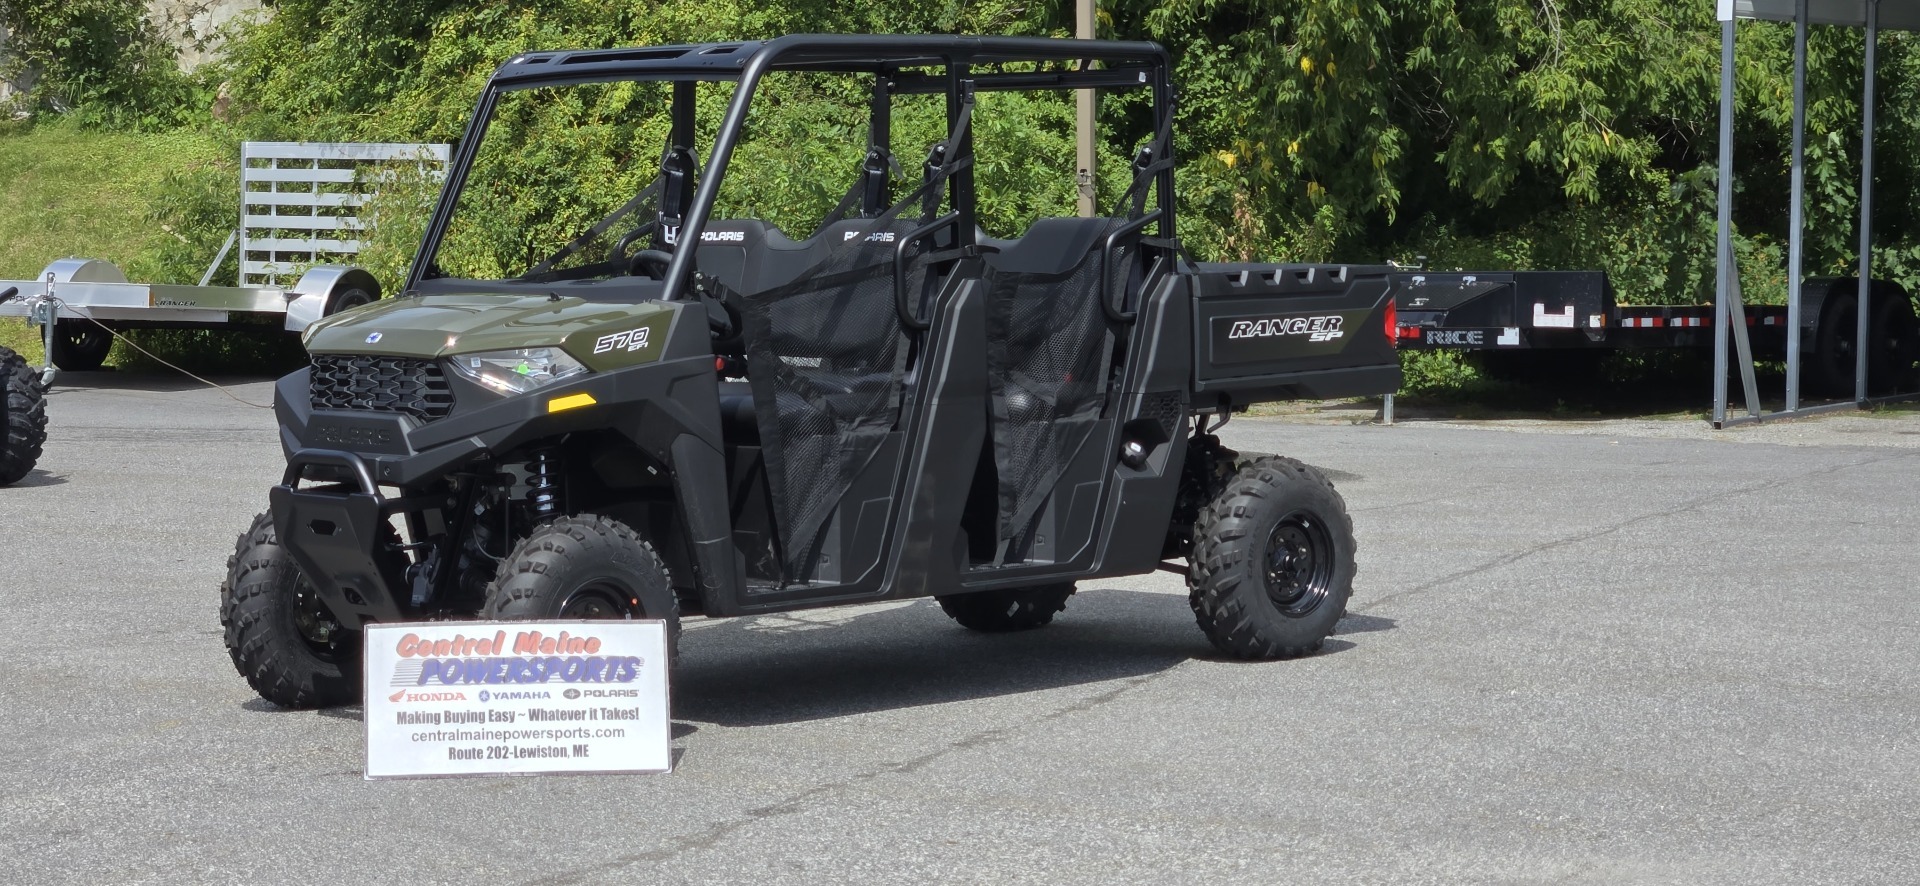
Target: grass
(70, 191)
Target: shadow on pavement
(151, 381)
(813, 665)
(1363, 624)
(836, 662)
(826, 663)
(38, 477)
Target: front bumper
(340, 537)
(374, 466)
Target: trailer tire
(80, 345)
(1894, 348)
(281, 637)
(1004, 610)
(584, 567)
(1893, 342)
(1273, 561)
(346, 298)
(23, 418)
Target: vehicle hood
(444, 325)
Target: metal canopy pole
(1866, 203)
(1796, 250)
(1722, 307)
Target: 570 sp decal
(630, 340)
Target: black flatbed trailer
(1550, 315)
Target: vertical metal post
(1083, 116)
(1796, 248)
(1866, 201)
(1386, 410)
(1723, 313)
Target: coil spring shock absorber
(543, 483)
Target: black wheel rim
(1300, 561)
(314, 622)
(601, 600)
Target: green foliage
(1490, 133)
(1435, 373)
(104, 59)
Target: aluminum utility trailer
(299, 206)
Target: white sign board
(516, 698)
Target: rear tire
(1272, 565)
(79, 345)
(584, 567)
(23, 418)
(1003, 610)
(281, 637)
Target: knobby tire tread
(1221, 544)
(270, 655)
(26, 418)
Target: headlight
(519, 371)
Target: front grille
(380, 384)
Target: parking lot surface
(1600, 653)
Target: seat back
(1049, 344)
(825, 357)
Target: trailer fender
(325, 290)
(82, 270)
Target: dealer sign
(516, 698)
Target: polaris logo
(1324, 328)
(875, 237)
(630, 340)
(671, 235)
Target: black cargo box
(1266, 332)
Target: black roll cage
(972, 64)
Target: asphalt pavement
(1577, 653)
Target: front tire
(1273, 561)
(281, 637)
(584, 567)
(23, 418)
(1003, 610)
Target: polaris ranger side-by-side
(661, 400)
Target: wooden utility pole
(1083, 116)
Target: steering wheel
(650, 263)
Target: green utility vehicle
(665, 392)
